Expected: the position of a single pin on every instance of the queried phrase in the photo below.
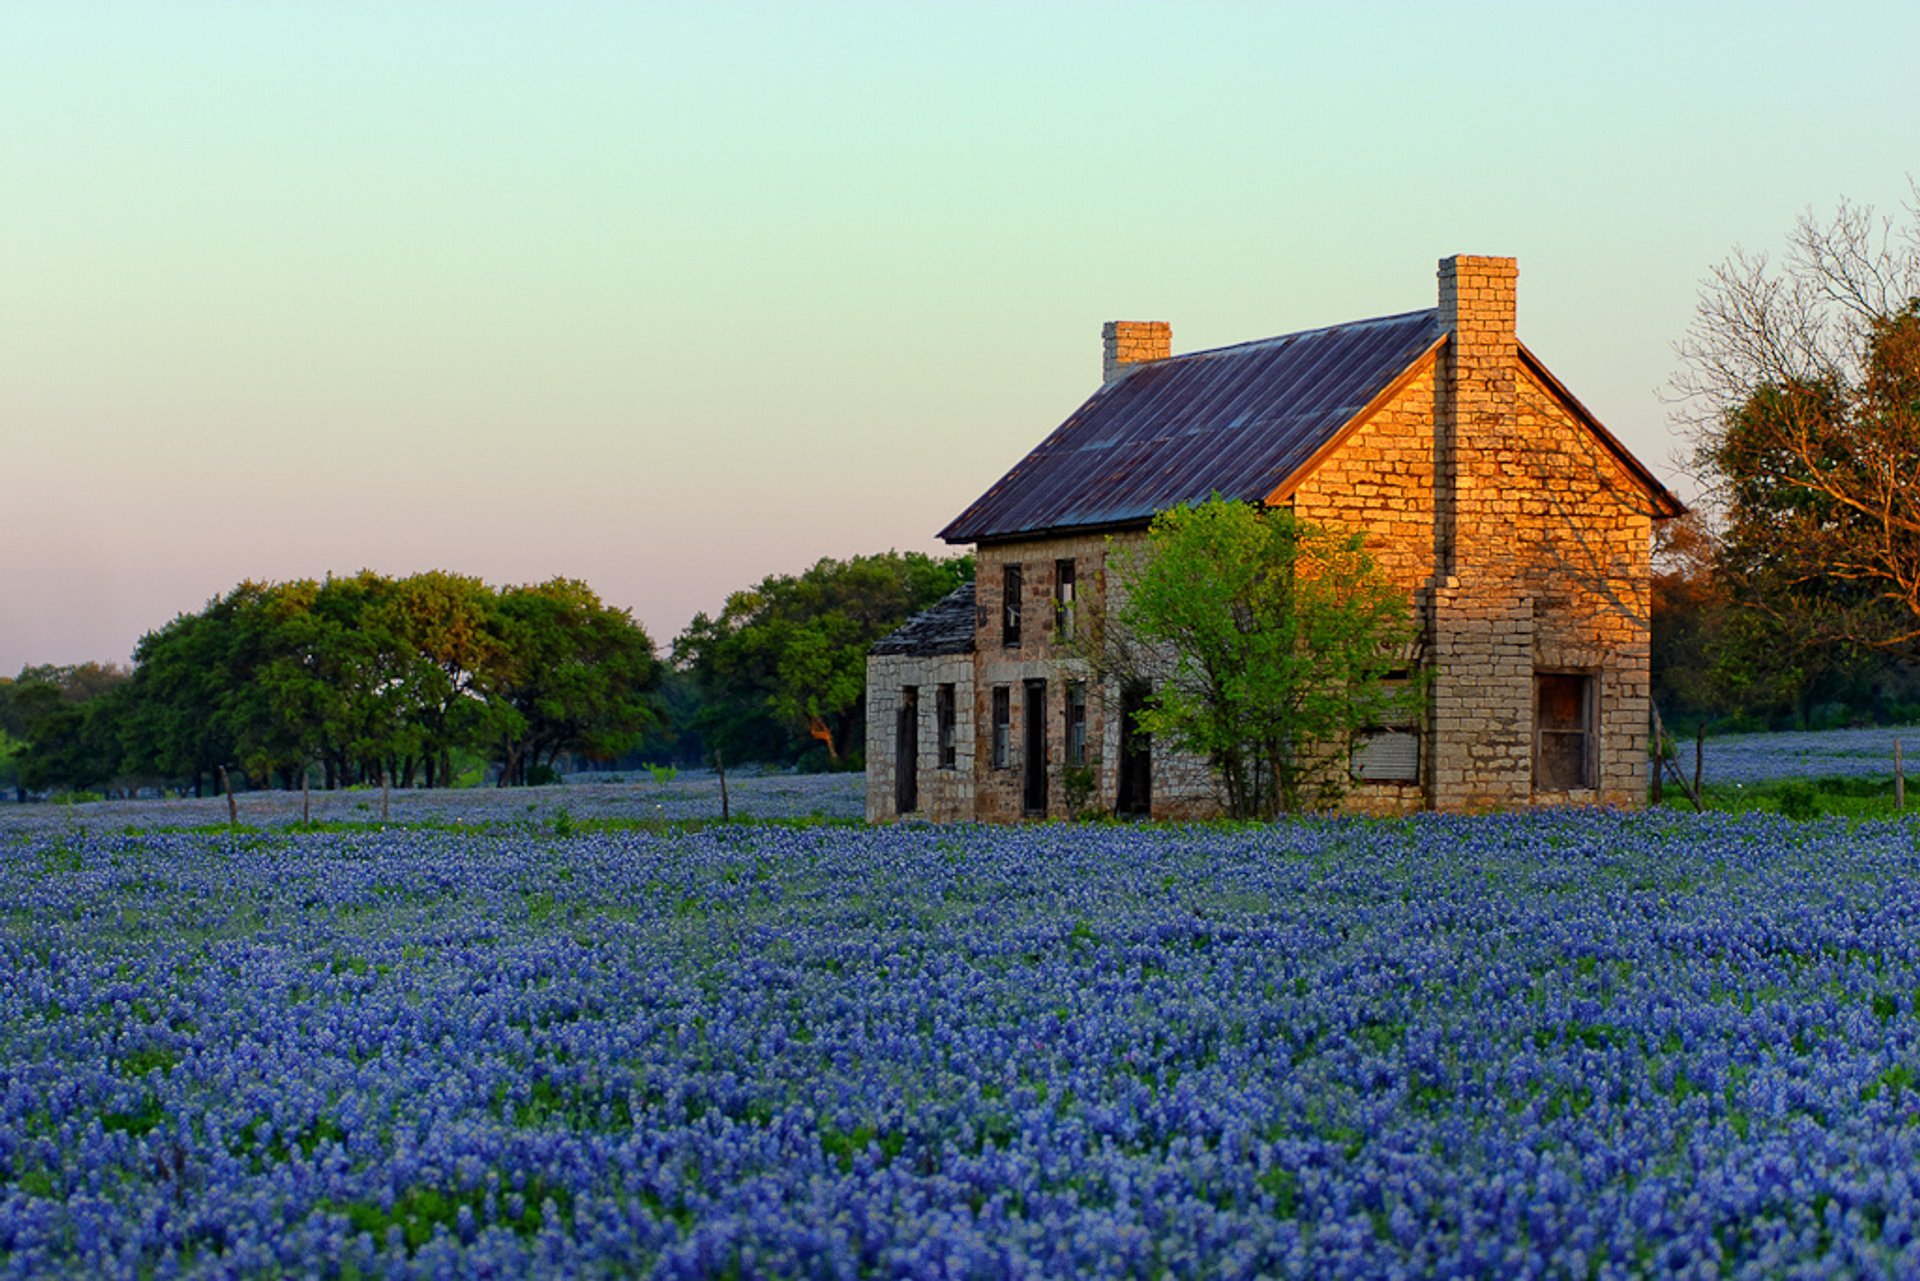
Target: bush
(1798, 800)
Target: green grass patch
(1856, 798)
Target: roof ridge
(1298, 333)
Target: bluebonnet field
(1838, 753)
(1575, 1044)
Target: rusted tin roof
(1236, 421)
(944, 627)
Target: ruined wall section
(945, 793)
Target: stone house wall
(946, 793)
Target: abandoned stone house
(1519, 527)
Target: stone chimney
(1480, 622)
(1476, 419)
(1126, 343)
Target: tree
(784, 665)
(69, 718)
(1268, 643)
(1800, 387)
(579, 676)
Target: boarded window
(1063, 610)
(1563, 749)
(1010, 604)
(943, 725)
(1002, 726)
(1076, 724)
(1388, 753)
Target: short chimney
(1126, 343)
(1477, 304)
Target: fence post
(720, 768)
(233, 809)
(1699, 760)
(1899, 780)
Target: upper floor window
(1010, 589)
(1063, 588)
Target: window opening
(943, 725)
(1563, 748)
(1388, 753)
(1010, 605)
(1063, 599)
(1002, 726)
(1076, 724)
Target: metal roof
(944, 627)
(1236, 421)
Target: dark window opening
(1010, 604)
(1002, 726)
(1076, 724)
(1063, 607)
(1563, 718)
(943, 726)
(906, 755)
(1034, 758)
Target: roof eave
(1665, 505)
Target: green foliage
(1079, 783)
(1267, 641)
(350, 679)
(663, 773)
(781, 672)
(63, 723)
(1798, 800)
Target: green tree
(579, 677)
(1268, 643)
(69, 718)
(452, 659)
(782, 670)
(176, 725)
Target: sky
(669, 298)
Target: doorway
(1134, 793)
(1034, 759)
(906, 753)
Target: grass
(1856, 798)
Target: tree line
(437, 678)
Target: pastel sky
(672, 297)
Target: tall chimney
(1126, 343)
(1476, 421)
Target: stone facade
(1520, 530)
(945, 788)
